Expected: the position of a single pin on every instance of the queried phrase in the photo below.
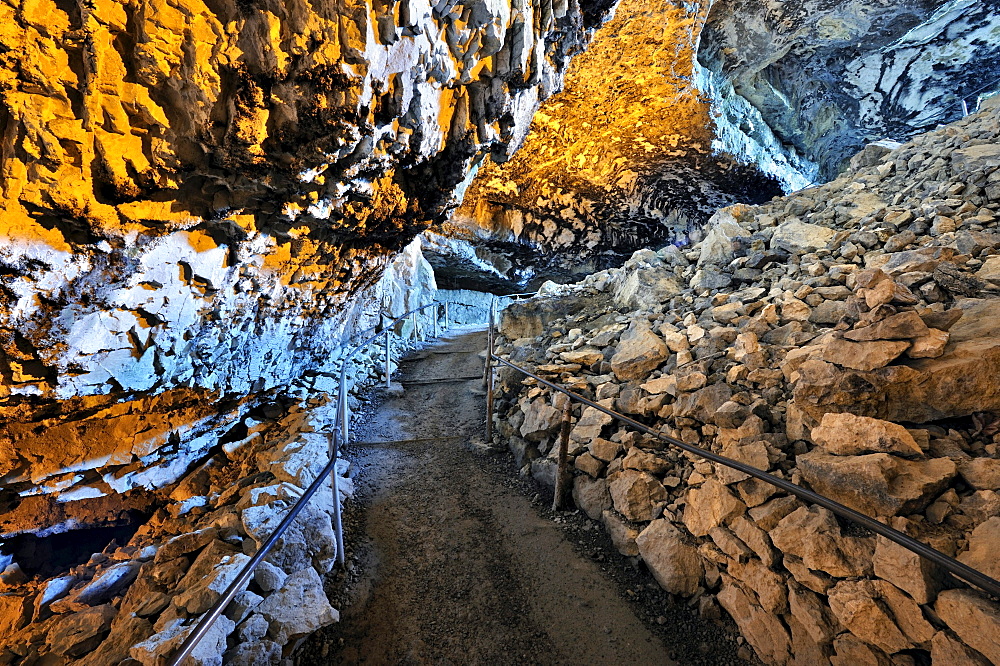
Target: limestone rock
(846, 434)
(903, 326)
(709, 506)
(981, 473)
(905, 569)
(637, 495)
(877, 484)
(639, 352)
(540, 420)
(764, 631)
(80, 632)
(674, 563)
(209, 576)
(982, 551)
(592, 496)
(947, 650)
(257, 653)
(973, 619)
(623, 535)
(812, 534)
(298, 608)
(855, 605)
(863, 355)
(644, 289)
(797, 236)
(155, 649)
(703, 404)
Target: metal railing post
(561, 472)
(344, 418)
(489, 384)
(434, 314)
(338, 528)
(447, 319)
(388, 375)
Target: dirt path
(452, 564)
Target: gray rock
(300, 607)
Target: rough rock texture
(813, 82)
(621, 159)
(142, 598)
(777, 331)
(199, 199)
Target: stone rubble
(846, 338)
(135, 603)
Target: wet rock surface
(841, 338)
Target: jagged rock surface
(842, 338)
(807, 84)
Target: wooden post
(562, 474)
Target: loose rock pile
(844, 338)
(135, 604)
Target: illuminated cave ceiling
(628, 154)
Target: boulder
(845, 434)
(973, 619)
(674, 563)
(855, 605)
(764, 631)
(638, 495)
(709, 506)
(622, 534)
(639, 352)
(877, 484)
(79, 633)
(717, 246)
(300, 607)
(982, 551)
(155, 650)
(946, 650)
(981, 473)
(540, 420)
(591, 422)
(960, 382)
(591, 495)
(647, 288)
(902, 326)
(900, 566)
(799, 237)
(216, 567)
(813, 535)
(703, 404)
(863, 355)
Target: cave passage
(451, 561)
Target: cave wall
(815, 81)
(622, 158)
(199, 200)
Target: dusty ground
(454, 560)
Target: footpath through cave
(454, 559)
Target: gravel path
(454, 560)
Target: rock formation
(844, 338)
(814, 82)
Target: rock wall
(622, 158)
(813, 82)
(200, 198)
(843, 338)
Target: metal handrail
(339, 434)
(950, 564)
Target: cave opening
(49, 556)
